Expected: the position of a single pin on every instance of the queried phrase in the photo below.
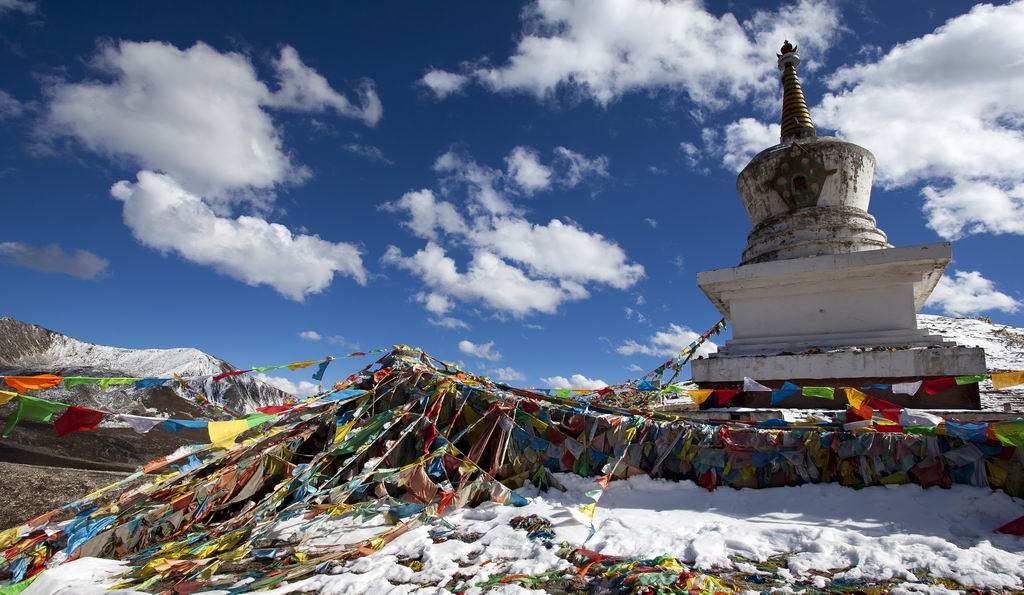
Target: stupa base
(848, 367)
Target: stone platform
(848, 367)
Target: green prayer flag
(106, 382)
(970, 379)
(33, 409)
(256, 419)
(18, 587)
(70, 381)
(1010, 433)
(824, 392)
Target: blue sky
(529, 189)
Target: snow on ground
(873, 533)
(878, 532)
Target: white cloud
(24, 6)
(9, 106)
(448, 322)
(578, 167)
(488, 279)
(427, 215)
(967, 292)
(481, 350)
(559, 250)
(443, 83)
(526, 170)
(302, 88)
(165, 216)
(604, 49)
(575, 381)
(368, 152)
(516, 266)
(507, 374)
(652, 222)
(946, 109)
(740, 141)
(310, 335)
(635, 368)
(304, 388)
(666, 343)
(52, 259)
(195, 114)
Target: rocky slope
(30, 349)
(1004, 350)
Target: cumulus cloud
(526, 170)
(448, 322)
(517, 267)
(482, 350)
(426, 215)
(197, 114)
(52, 259)
(574, 381)
(303, 388)
(487, 279)
(443, 83)
(165, 216)
(968, 292)
(602, 50)
(310, 335)
(945, 109)
(368, 152)
(507, 374)
(666, 343)
(737, 144)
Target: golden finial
(796, 118)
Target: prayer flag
(823, 392)
(107, 382)
(935, 386)
(176, 425)
(906, 388)
(725, 395)
(914, 417)
(970, 379)
(1007, 379)
(139, 423)
(296, 365)
(753, 386)
(223, 433)
(38, 382)
(77, 419)
(6, 395)
(699, 396)
(70, 381)
(33, 409)
(1009, 433)
(788, 390)
(319, 374)
(274, 409)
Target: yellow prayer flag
(297, 365)
(223, 433)
(343, 431)
(1007, 379)
(589, 509)
(855, 398)
(6, 395)
(699, 396)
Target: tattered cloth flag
(788, 390)
(1002, 380)
(77, 419)
(319, 374)
(906, 388)
(753, 386)
(32, 409)
(38, 382)
(139, 423)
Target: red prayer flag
(937, 385)
(1014, 527)
(273, 409)
(890, 411)
(77, 419)
(725, 395)
(226, 374)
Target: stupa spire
(796, 118)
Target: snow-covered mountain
(28, 349)
(1004, 350)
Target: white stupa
(820, 296)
